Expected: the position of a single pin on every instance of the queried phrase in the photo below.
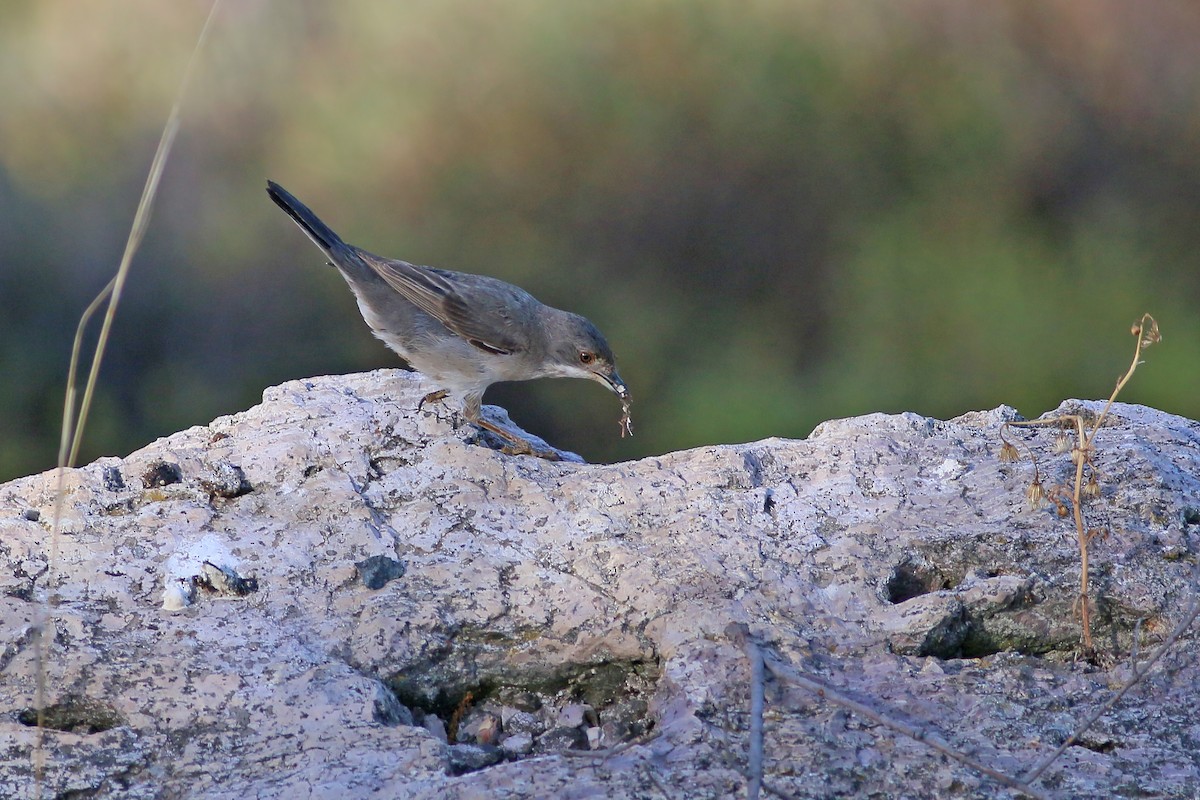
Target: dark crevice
(76, 714)
(912, 579)
(162, 473)
(492, 716)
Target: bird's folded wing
(466, 311)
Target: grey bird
(464, 331)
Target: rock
(928, 625)
(574, 715)
(516, 721)
(594, 737)
(518, 744)
(434, 725)
(472, 757)
(225, 480)
(389, 711)
(557, 740)
(481, 726)
(891, 557)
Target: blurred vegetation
(778, 211)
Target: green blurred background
(778, 211)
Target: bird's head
(578, 350)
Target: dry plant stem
(1138, 673)
(1085, 614)
(1076, 504)
(1147, 333)
(1084, 442)
(1137, 359)
(72, 425)
(141, 220)
(69, 437)
(65, 457)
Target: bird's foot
(516, 445)
(527, 449)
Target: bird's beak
(613, 381)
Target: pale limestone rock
(537, 586)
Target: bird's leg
(517, 446)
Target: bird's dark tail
(310, 223)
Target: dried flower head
(1091, 489)
(1147, 329)
(1035, 494)
(1009, 452)
(1062, 442)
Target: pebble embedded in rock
(375, 572)
(179, 593)
(225, 580)
(114, 481)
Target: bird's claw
(435, 396)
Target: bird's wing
(480, 314)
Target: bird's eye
(585, 357)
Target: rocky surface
(333, 595)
